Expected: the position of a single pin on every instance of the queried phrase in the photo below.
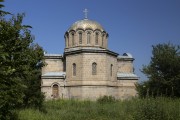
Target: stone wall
(53, 64)
(88, 60)
(85, 85)
(77, 59)
(84, 63)
(47, 85)
(125, 66)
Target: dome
(86, 33)
(128, 55)
(86, 24)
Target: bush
(106, 99)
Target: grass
(134, 109)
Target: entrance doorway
(55, 91)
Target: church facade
(88, 69)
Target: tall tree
(163, 71)
(10, 86)
(20, 67)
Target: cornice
(70, 52)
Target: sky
(133, 25)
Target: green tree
(32, 77)
(163, 72)
(10, 86)
(20, 67)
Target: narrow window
(68, 40)
(88, 37)
(80, 38)
(102, 39)
(96, 39)
(55, 91)
(94, 69)
(111, 69)
(72, 38)
(74, 69)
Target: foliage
(142, 89)
(106, 99)
(20, 67)
(163, 72)
(32, 77)
(134, 109)
(2, 13)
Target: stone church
(88, 69)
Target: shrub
(106, 99)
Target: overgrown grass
(134, 109)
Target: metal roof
(125, 55)
(54, 74)
(128, 55)
(86, 24)
(127, 76)
(53, 55)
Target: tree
(10, 86)
(163, 72)
(20, 67)
(32, 78)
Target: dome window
(72, 38)
(88, 37)
(96, 38)
(80, 37)
(67, 40)
(102, 39)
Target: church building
(88, 69)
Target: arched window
(73, 39)
(102, 39)
(88, 37)
(55, 91)
(68, 40)
(94, 68)
(80, 37)
(111, 70)
(96, 38)
(74, 69)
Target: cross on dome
(85, 13)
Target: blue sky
(133, 25)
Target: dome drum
(86, 33)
